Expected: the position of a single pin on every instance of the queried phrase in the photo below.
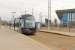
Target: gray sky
(8, 6)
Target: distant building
(67, 17)
(46, 21)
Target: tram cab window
(29, 22)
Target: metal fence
(63, 26)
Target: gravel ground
(53, 41)
(56, 41)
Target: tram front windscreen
(29, 22)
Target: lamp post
(40, 18)
(32, 11)
(14, 19)
(25, 11)
(49, 14)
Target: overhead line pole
(49, 14)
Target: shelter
(67, 16)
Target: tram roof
(25, 15)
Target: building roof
(66, 11)
(61, 12)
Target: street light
(32, 11)
(40, 18)
(14, 18)
(49, 14)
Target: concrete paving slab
(59, 32)
(11, 40)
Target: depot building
(66, 16)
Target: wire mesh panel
(67, 22)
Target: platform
(12, 40)
(59, 32)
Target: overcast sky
(18, 6)
(60, 5)
(7, 6)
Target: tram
(27, 24)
